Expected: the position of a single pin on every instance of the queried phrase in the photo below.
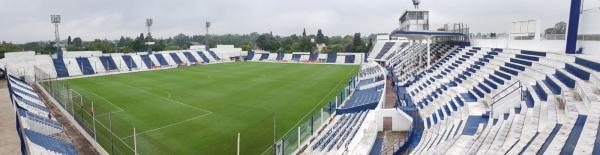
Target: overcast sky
(28, 20)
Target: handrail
(506, 89)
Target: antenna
(416, 3)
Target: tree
(160, 45)
(357, 44)
(138, 44)
(246, 46)
(559, 28)
(69, 41)
(320, 37)
(182, 41)
(304, 32)
(267, 42)
(101, 45)
(77, 42)
(306, 45)
(370, 45)
(7, 47)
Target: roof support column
(428, 52)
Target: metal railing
(509, 91)
(505, 93)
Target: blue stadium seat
(279, 56)
(331, 58)
(161, 59)
(85, 66)
(250, 55)
(108, 63)
(50, 143)
(386, 47)
(191, 57)
(129, 62)
(61, 68)
(214, 55)
(175, 58)
(204, 58)
(146, 59)
(296, 57)
(264, 56)
(349, 59)
(573, 138)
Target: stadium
(415, 91)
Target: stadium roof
(420, 35)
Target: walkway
(9, 143)
(390, 96)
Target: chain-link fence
(96, 121)
(116, 136)
(298, 136)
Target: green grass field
(200, 109)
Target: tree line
(253, 41)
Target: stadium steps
(214, 55)
(85, 66)
(161, 59)
(250, 55)
(313, 57)
(296, 57)
(176, 58)
(264, 56)
(349, 59)
(191, 57)
(61, 68)
(331, 58)
(204, 57)
(52, 144)
(386, 47)
(108, 63)
(279, 57)
(146, 59)
(129, 62)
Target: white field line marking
(172, 101)
(169, 125)
(322, 99)
(102, 125)
(106, 113)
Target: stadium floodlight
(55, 19)
(416, 3)
(149, 23)
(207, 25)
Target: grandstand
(39, 131)
(416, 91)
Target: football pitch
(201, 109)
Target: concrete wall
(400, 120)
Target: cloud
(28, 20)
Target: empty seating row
(308, 57)
(554, 113)
(126, 62)
(35, 123)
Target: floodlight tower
(416, 3)
(149, 23)
(206, 35)
(149, 43)
(55, 19)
